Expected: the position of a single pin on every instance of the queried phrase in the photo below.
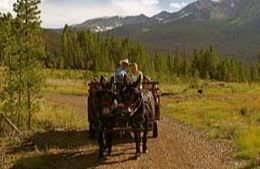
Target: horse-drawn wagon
(94, 86)
(120, 109)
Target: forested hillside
(91, 51)
(232, 26)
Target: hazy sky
(56, 13)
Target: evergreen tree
(30, 51)
(177, 63)
(9, 59)
(67, 47)
(1, 41)
(241, 73)
(185, 65)
(212, 63)
(258, 66)
(195, 63)
(253, 72)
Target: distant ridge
(232, 26)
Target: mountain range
(232, 26)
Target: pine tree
(177, 63)
(185, 64)
(8, 46)
(195, 63)
(241, 73)
(66, 47)
(30, 51)
(212, 62)
(7, 38)
(1, 39)
(258, 66)
(253, 72)
(83, 38)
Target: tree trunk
(29, 105)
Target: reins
(139, 105)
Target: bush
(244, 111)
(248, 142)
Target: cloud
(150, 2)
(57, 13)
(176, 6)
(134, 7)
(6, 5)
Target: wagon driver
(121, 70)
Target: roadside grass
(73, 82)
(248, 142)
(66, 86)
(227, 111)
(65, 81)
(59, 117)
(74, 74)
(6, 160)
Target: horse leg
(101, 143)
(144, 139)
(109, 142)
(137, 136)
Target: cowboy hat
(125, 61)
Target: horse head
(131, 95)
(106, 96)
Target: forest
(91, 51)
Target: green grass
(74, 74)
(248, 142)
(55, 116)
(74, 82)
(66, 86)
(66, 81)
(227, 111)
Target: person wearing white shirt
(136, 73)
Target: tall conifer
(30, 51)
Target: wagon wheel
(155, 129)
(92, 130)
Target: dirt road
(178, 147)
